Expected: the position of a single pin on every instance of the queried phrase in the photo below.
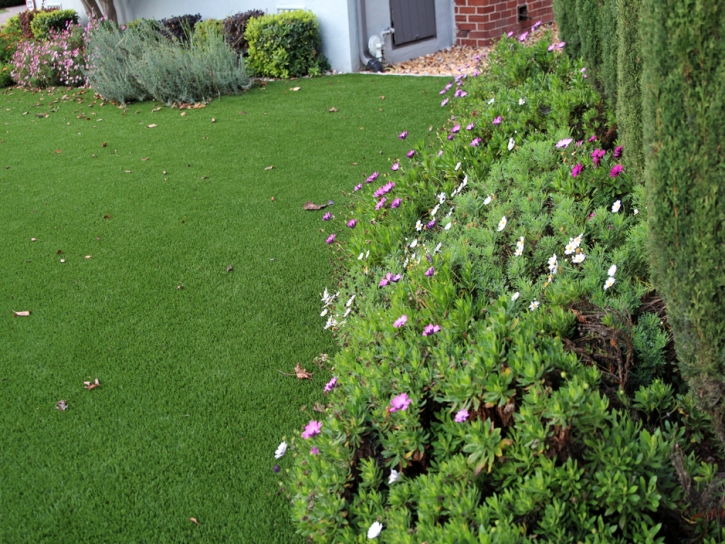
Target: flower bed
(505, 373)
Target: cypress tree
(683, 83)
(629, 92)
(565, 15)
(609, 40)
(588, 15)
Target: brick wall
(478, 22)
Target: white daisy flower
(347, 312)
(414, 243)
(616, 206)
(534, 305)
(324, 313)
(450, 212)
(457, 166)
(464, 182)
(553, 264)
(361, 256)
(280, 451)
(330, 323)
(437, 248)
(448, 226)
(612, 270)
(492, 100)
(419, 225)
(441, 198)
(519, 248)
(522, 101)
(512, 143)
(434, 211)
(636, 211)
(502, 223)
(610, 281)
(488, 199)
(578, 258)
(570, 248)
(394, 476)
(374, 530)
(347, 304)
(515, 296)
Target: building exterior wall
(478, 22)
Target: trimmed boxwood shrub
(684, 104)
(503, 374)
(285, 45)
(58, 20)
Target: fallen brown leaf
(193, 520)
(33, 239)
(332, 110)
(382, 97)
(213, 120)
(107, 216)
(272, 199)
(156, 109)
(91, 385)
(58, 151)
(269, 167)
(61, 405)
(59, 252)
(295, 88)
(183, 114)
(105, 144)
(310, 206)
(230, 268)
(301, 373)
(152, 125)
(145, 159)
(319, 407)
(21, 314)
(242, 113)
(88, 256)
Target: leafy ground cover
(506, 372)
(136, 216)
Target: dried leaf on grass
(91, 385)
(295, 88)
(156, 109)
(319, 407)
(300, 373)
(269, 167)
(311, 206)
(230, 268)
(332, 110)
(152, 125)
(193, 520)
(21, 314)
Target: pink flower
(358, 187)
(380, 203)
(372, 177)
(313, 428)
(351, 224)
(395, 166)
(470, 126)
(402, 320)
(597, 155)
(331, 238)
(577, 170)
(498, 120)
(461, 416)
(395, 203)
(329, 386)
(476, 142)
(410, 153)
(400, 403)
(510, 34)
(592, 138)
(431, 329)
(327, 216)
(615, 171)
(315, 451)
(456, 128)
(430, 272)
(403, 135)
(563, 143)
(618, 152)
(523, 36)
(444, 102)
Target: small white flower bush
(472, 399)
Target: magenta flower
(577, 170)
(431, 224)
(563, 143)
(440, 152)
(430, 272)
(400, 403)
(498, 120)
(444, 102)
(597, 155)
(372, 177)
(510, 34)
(327, 216)
(403, 135)
(476, 142)
(579, 143)
(523, 36)
(537, 24)
(451, 136)
(358, 187)
(331, 238)
(388, 279)
(551, 47)
(470, 127)
(410, 153)
(396, 203)
(456, 128)
(431, 329)
(313, 428)
(618, 152)
(351, 224)
(443, 91)
(592, 138)
(384, 190)
(396, 278)
(380, 203)
(329, 386)
(315, 451)
(395, 166)
(615, 171)
(402, 320)
(461, 416)
(275, 468)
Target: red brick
(479, 34)
(461, 33)
(495, 16)
(485, 10)
(466, 26)
(472, 43)
(478, 18)
(461, 18)
(467, 10)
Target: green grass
(191, 405)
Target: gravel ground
(458, 59)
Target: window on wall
(413, 20)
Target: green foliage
(59, 20)
(629, 91)
(11, 34)
(565, 14)
(235, 27)
(508, 434)
(285, 45)
(136, 63)
(609, 37)
(202, 28)
(684, 103)
(179, 28)
(589, 19)
(6, 80)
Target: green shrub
(684, 103)
(6, 79)
(45, 21)
(10, 36)
(235, 27)
(565, 15)
(589, 20)
(179, 28)
(285, 45)
(629, 93)
(608, 32)
(201, 30)
(501, 400)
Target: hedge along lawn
(191, 403)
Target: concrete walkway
(9, 12)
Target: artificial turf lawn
(191, 405)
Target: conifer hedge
(683, 45)
(629, 92)
(607, 75)
(588, 14)
(565, 14)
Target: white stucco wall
(336, 22)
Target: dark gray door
(413, 20)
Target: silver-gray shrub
(136, 64)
